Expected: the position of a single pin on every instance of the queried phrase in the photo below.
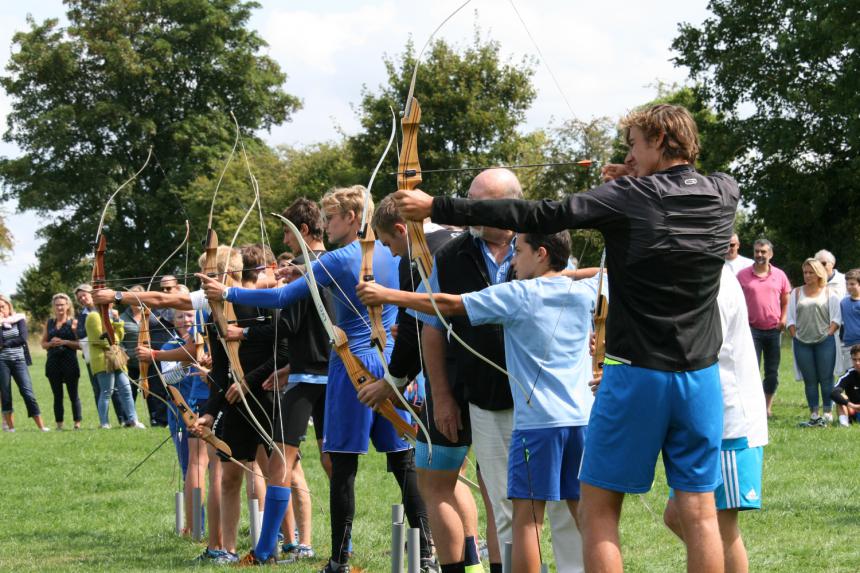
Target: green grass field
(65, 504)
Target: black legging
(68, 378)
(342, 499)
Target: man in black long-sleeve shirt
(666, 229)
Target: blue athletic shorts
(639, 412)
(544, 463)
(349, 424)
(741, 472)
(444, 458)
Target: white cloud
(317, 40)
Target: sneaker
(828, 417)
(225, 558)
(45, 429)
(105, 427)
(429, 565)
(298, 553)
(823, 422)
(287, 548)
(136, 425)
(208, 555)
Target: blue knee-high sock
(277, 499)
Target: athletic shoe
(429, 565)
(298, 553)
(105, 427)
(823, 422)
(136, 425)
(224, 558)
(45, 429)
(208, 555)
(828, 417)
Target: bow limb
(599, 319)
(98, 274)
(357, 371)
(367, 240)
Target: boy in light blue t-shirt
(547, 323)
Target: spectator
(84, 296)
(61, 367)
(813, 318)
(734, 259)
(108, 372)
(14, 360)
(846, 393)
(850, 310)
(766, 291)
(835, 279)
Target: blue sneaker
(225, 558)
(210, 556)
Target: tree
(787, 76)
(90, 100)
(471, 106)
(7, 241)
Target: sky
(606, 56)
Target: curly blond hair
(681, 136)
(345, 199)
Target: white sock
(843, 420)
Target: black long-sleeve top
(666, 235)
(847, 389)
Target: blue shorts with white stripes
(740, 469)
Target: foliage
(7, 241)
(786, 74)
(471, 106)
(90, 100)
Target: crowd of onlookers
(66, 333)
(822, 317)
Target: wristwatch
(117, 296)
(245, 332)
(224, 293)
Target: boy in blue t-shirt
(547, 323)
(850, 306)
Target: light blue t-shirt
(547, 324)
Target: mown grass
(65, 504)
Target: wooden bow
(601, 308)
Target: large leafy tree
(89, 101)
(787, 75)
(472, 103)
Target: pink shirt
(763, 296)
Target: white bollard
(180, 512)
(255, 519)
(398, 539)
(507, 558)
(413, 545)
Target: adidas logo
(751, 495)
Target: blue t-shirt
(191, 386)
(547, 324)
(851, 321)
(338, 271)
